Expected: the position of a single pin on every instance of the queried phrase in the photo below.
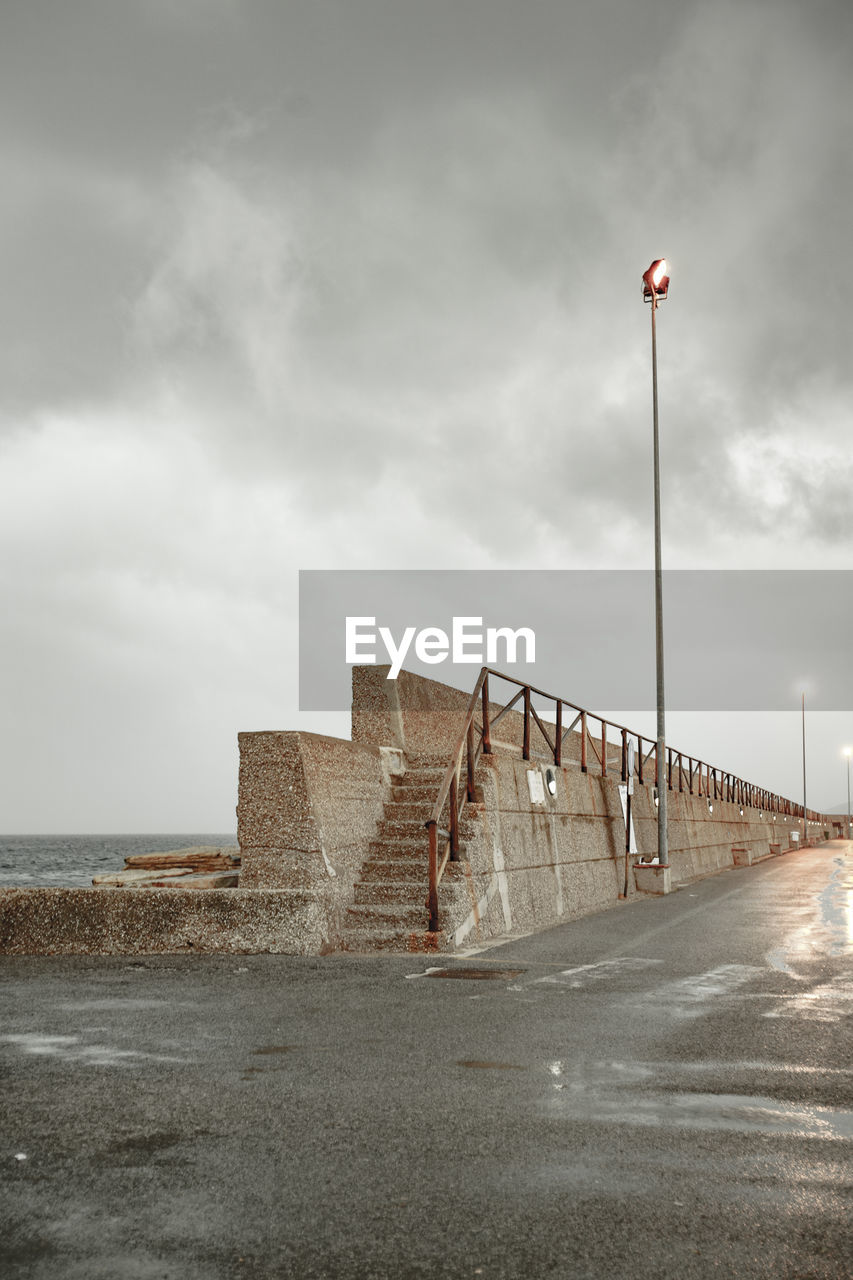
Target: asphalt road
(662, 1090)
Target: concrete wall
(424, 718)
(420, 716)
(528, 865)
(107, 922)
(308, 808)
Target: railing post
(487, 741)
(558, 741)
(525, 750)
(454, 822)
(640, 760)
(669, 767)
(583, 742)
(432, 901)
(471, 760)
(604, 748)
(624, 755)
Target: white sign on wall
(623, 796)
(535, 786)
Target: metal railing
(695, 776)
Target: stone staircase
(390, 911)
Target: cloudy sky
(355, 284)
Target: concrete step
(395, 871)
(397, 893)
(386, 917)
(407, 851)
(429, 772)
(419, 778)
(370, 940)
(405, 829)
(399, 848)
(410, 810)
(419, 792)
(391, 828)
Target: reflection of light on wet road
(825, 926)
(692, 997)
(829, 1002)
(71, 1049)
(584, 974)
(619, 1093)
(743, 1112)
(835, 908)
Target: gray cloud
(357, 285)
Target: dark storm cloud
(358, 284)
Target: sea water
(68, 862)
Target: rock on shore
(200, 867)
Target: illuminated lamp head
(656, 282)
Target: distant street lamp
(848, 751)
(655, 289)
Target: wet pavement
(661, 1090)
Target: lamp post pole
(663, 781)
(655, 287)
(805, 827)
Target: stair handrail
(449, 789)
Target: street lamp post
(848, 751)
(655, 289)
(805, 827)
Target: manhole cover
(501, 975)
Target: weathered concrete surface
(308, 808)
(529, 864)
(424, 718)
(106, 921)
(668, 1097)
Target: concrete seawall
(151, 921)
(314, 811)
(532, 863)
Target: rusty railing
(683, 773)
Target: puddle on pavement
(616, 1092)
(583, 975)
(829, 1002)
(70, 1049)
(744, 1113)
(489, 1066)
(499, 975)
(828, 927)
(147, 1143)
(692, 997)
(120, 1002)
